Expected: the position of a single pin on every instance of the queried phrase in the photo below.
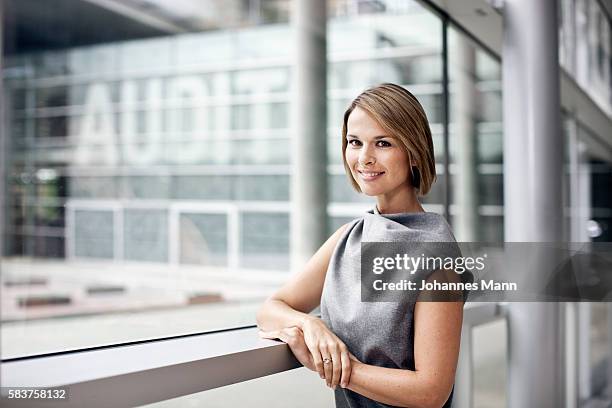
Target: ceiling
(54, 24)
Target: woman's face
(377, 161)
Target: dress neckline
(377, 212)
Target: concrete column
(309, 131)
(584, 351)
(3, 154)
(533, 156)
(572, 353)
(466, 173)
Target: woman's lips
(370, 175)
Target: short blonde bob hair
(401, 115)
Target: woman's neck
(404, 202)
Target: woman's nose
(366, 157)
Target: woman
(400, 354)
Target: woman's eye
(354, 142)
(383, 143)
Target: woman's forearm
(405, 388)
(276, 315)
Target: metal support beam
(445, 120)
(533, 154)
(309, 131)
(139, 15)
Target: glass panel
(476, 142)
(146, 235)
(279, 115)
(93, 187)
(436, 194)
(585, 48)
(265, 241)
(147, 187)
(49, 97)
(265, 188)
(490, 350)
(204, 239)
(600, 226)
(341, 190)
(261, 151)
(492, 189)
(93, 234)
(599, 346)
(490, 228)
(18, 127)
(17, 98)
(52, 126)
(203, 187)
(336, 222)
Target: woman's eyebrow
(375, 137)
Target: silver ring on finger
(327, 360)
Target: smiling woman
(391, 120)
(376, 163)
(400, 353)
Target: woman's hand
(294, 338)
(336, 370)
(330, 354)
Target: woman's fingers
(301, 351)
(337, 367)
(315, 333)
(346, 369)
(328, 366)
(327, 351)
(317, 359)
(332, 362)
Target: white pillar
(466, 173)
(309, 131)
(533, 154)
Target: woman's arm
(290, 305)
(437, 335)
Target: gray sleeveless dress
(377, 333)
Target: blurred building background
(148, 163)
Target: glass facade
(165, 162)
(585, 48)
(200, 117)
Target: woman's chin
(370, 191)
